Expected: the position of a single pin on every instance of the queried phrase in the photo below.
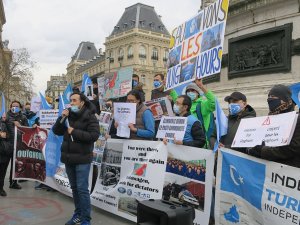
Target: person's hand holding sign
(177, 142)
(132, 127)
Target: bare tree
(18, 82)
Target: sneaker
(3, 193)
(15, 185)
(85, 222)
(74, 220)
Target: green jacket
(207, 107)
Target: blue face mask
(15, 109)
(192, 95)
(157, 84)
(234, 108)
(134, 83)
(75, 108)
(176, 109)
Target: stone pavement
(40, 207)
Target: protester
(14, 118)
(143, 129)
(95, 100)
(238, 109)
(280, 101)
(32, 117)
(5, 154)
(77, 152)
(138, 86)
(202, 108)
(159, 89)
(194, 135)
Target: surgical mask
(134, 83)
(157, 84)
(75, 108)
(15, 109)
(234, 108)
(192, 95)
(176, 109)
(273, 103)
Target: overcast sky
(52, 29)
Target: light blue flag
(221, 123)
(52, 153)
(86, 81)
(66, 95)
(3, 110)
(44, 103)
(295, 89)
(243, 177)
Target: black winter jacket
(5, 154)
(86, 132)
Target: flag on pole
(295, 89)
(3, 110)
(66, 95)
(221, 123)
(44, 103)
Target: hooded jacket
(233, 124)
(85, 133)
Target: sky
(51, 30)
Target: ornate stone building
(261, 49)
(55, 87)
(139, 40)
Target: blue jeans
(78, 175)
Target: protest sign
(124, 113)
(171, 127)
(48, 118)
(276, 130)
(101, 92)
(254, 191)
(35, 104)
(128, 175)
(188, 179)
(118, 84)
(160, 107)
(104, 127)
(196, 46)
(29, 161)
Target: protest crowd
(78, 124)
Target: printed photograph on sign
(97, 158)
(174, 57)
(103, 129)
(195, 169)
(160, 107)
(99, 145)
(105, 117)
(192, 26)
(109, 175)
(128, 205)
(139, 169)
(212, 37)
(182, 190)
(89, 91)
(187, 70)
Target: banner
(170, 127)
(29, 161)
(254, 191)
(188, 179)
(48, 118)
(101, 92)
(160, 107)
(105, 120)
(276, 130)
(196, 46)
(118, 84)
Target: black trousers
(3, 169)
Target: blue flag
(66, 95)
(52, 153)
(44, 103)
(243, 177)
(3, 110)
(295, 89)
(86, 83)
(221, 123)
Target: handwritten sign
(171, 127)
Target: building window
(130, 52)
(154, 54)
(121, 54)
(166, 55)
(111, 56)
(143, 78)
(142, 52)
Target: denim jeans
(78, 175)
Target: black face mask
(273, 103)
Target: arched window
(166, 55)
(154, 54)
(130, 52)
(142, 52)
(121, 54)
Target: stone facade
(55, 87)
(252, 18)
